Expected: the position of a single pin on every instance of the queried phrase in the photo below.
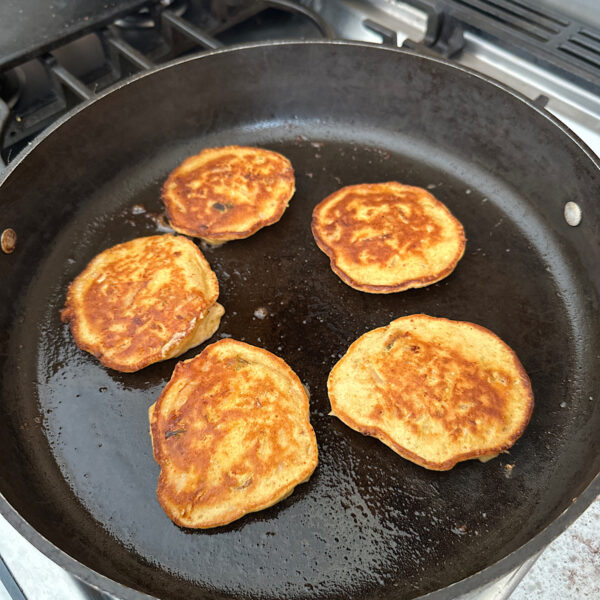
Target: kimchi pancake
(232, 435)
(387, 237)
(228, 193)
(435, 391)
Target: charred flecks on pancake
(387, 237)
(228, 193)
(143, 301)
(232, 435)
(435, 391)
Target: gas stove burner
(145, 17)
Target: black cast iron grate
(90, 55)
(545, 36)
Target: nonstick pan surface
(77, 475)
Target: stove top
(57, 55)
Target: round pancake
(387, 237)
(435, 391)
(143, 301)
(232, 435)
(228, 193)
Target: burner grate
(550, 39)
(583, 46)
(55, 77)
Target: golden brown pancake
(435, 391)
(143, 301)
(232, 435)
(228, 193)
(387, 237)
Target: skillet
(77, 477)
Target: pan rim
(473, 582)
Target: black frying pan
(77, 475)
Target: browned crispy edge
(227, 236)
(68, 315)
(402, 285)
(448, 464)
(237, 514)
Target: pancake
(143, 301)
(435, 391)
(228, 193)
(232, 435)
(387, 237)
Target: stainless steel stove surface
(550, 57)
